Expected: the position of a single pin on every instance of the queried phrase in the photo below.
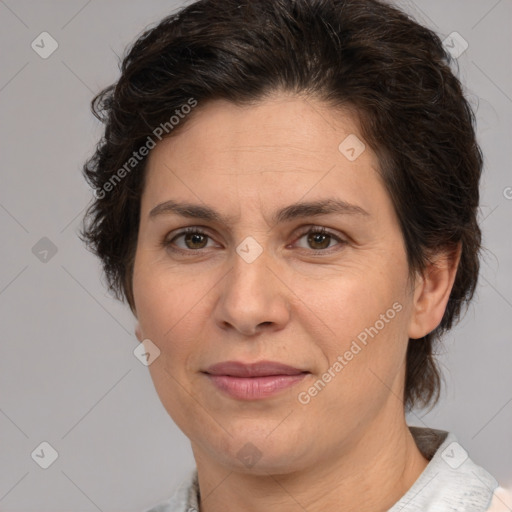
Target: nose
(253, 297)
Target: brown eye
(319, 239)
(195, 240)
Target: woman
(286, 196)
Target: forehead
(283, 124)
(280, 150)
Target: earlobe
(138, 332)
(432, 292)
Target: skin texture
(349, 447)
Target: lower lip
(254, 388)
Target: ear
(138, 332)
(432, 291)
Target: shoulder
(501, 500)
(452, 481)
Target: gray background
(68, 373)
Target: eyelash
(168, 244)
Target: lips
(254, 381)
(260, 369)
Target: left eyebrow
(315, 208)
(286, 214)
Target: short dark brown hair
(362, 54)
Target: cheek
(354, 303)
(163, 301)
(165, 313)
(365, 349)
(171, 313)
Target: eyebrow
(288, 213)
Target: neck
(372, 476)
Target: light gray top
(451, 482)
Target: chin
(258, 453)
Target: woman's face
(256, 283)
